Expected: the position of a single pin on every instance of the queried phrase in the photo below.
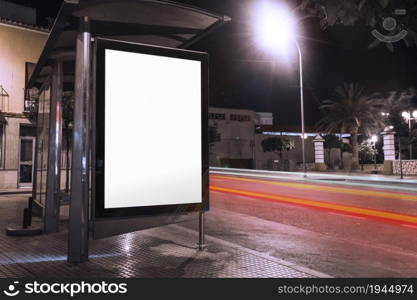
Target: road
(341, 230)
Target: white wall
(17, 46)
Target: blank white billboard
(152, 130)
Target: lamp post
(399, 156)
(408, 116)
(300, 56)
(374, 139)
(276, 30)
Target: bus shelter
(65, 74)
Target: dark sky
(243, 76)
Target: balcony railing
(4, 100)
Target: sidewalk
(164, 252)
(360, 175)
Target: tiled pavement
(164, 252)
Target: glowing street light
(406, 115)
(275, 27)
(276, 31)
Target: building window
(240, 118)
(214, 135)
(30, 94)
(27, 130)
(214, 116)
(29, 68)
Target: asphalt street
(343, 230)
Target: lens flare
(275, 27)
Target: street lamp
(276, 31)
(374, 139)
(408, 116)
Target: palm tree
(278, 145)
(352, 112)
(395, 103)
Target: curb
(329, 179)
(316, 175)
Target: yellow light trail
(370, 213)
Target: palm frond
(351, 110)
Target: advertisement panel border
(99, 210)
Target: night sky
(245, 76)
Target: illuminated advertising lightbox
(151, 149)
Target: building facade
(231, 137)
(20, 48)
(236, 141)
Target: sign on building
(264, 118)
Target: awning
(161, 23)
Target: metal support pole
(399, 156)
(53, 180)
(409, 137)
(79, 204)
(252, 144)
(201, 242)
(67, 160)
(302, 109)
